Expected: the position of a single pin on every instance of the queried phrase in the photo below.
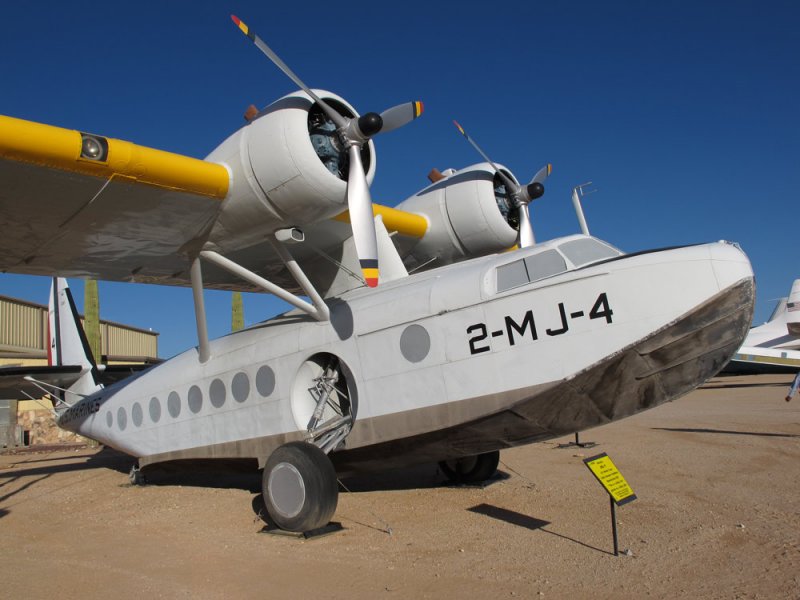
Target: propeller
(521, 195)
(353, 134)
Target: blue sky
(683, 114)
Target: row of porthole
(217, 394)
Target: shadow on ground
(522, 520)
(33, 464)
(245, 475)
(509, 516)
(720, 385)
(726, 432)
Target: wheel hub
(287, 491)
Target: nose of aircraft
(730, 264)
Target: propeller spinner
(521, 195)
(353, 134)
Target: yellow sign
(609, 476)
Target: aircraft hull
(443, 364)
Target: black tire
(299, 487)
(471, 469)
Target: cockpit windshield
(578, 251)
(585, 250)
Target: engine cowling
(469, 214)
(287, 168)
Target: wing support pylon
(317, 309)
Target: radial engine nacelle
(469, 215)
(287, 167)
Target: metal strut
(329, 434)
(317, 309)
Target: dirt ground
(717, 475)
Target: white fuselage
(423, 354)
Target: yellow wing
(82, 205)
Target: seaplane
(437, 330)
(773, 347)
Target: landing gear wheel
(136, 476)
(472, 469)
(299, 487)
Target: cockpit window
(532, 268)
(544, 265)
(586, 250)
(511, 275)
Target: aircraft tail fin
(68, 344)
(778, 311)
(793, 309)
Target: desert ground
(716, 473)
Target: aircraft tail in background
(793, 309)
(773, 347)
(68, 345)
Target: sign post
(619, 492)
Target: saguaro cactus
(91, 318)
(237, 312)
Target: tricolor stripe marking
(245, 29)
(369, 269)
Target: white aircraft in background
(477, 350)
(773, 347)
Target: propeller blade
(526, 239)
(542, 174)
(334, 116)
(400, 115)
(362, 221)
(512, 187)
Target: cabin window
(532, 268)
(585, 250)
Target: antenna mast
(577, 194)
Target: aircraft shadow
(411, 478)
(22, 488)
(521, 520)
(726, 431)
(718, 385)
(38, 460)
(43, 468)
(244, 475)
(224, 474)
(103, 459)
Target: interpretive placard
(610, 478)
